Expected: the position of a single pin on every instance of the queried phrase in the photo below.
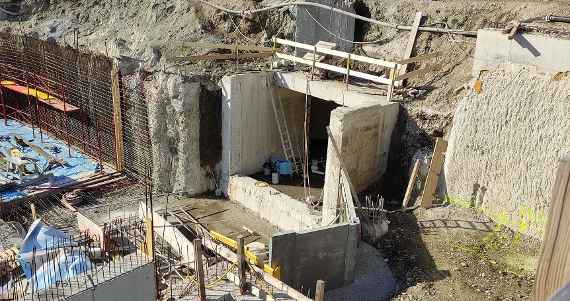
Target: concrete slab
(220, 215)
(329, 90)
(543, 53)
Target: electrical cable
(339, 11)
(337, 36)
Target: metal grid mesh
(137, 154)
(78, 79)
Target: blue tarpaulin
(48, 255)
(76, 166)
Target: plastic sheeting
(48, 255)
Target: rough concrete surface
(329, 254)
(279, 209)
(504, 146)
(174, 129)
(363, 136)
(495, 51)
(373, 279)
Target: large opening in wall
(298, 109)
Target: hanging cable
(337, 36)
(339, 11)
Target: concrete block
(326, 253)
(277, 208)
(542, 53)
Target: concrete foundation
(277, 208)
(326, 253)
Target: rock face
(175, 132)
(505, 144)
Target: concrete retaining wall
(363, 136)
(504, 146)
(138, 284)
(277, 208)
(544, 54)
(249, 129)
(327, 253)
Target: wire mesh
(79, 79)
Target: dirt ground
(449, 253)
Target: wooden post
(149, 238)
(554, 265)
(241, 266)
(411, 43)
(320, 291)
(117, 118)
(33, 207)
(433, 175)
(199, 269)
(411, 185)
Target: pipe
(340, 11)
(551, 18)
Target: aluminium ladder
(284, 134)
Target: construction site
(284, 150)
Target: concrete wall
(309, 32)
(249, 129)
(138, 284)
(363, 136)
(174, 122)
(327, 253)
(329, 90)
(504, 146)
(294, 107)
(277, 208)
(543, 53)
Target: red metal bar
(99, 144)
(3, 107)
(66, 122)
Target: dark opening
(318, 138)
(210, 127)
(361, 27)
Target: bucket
(275, 178)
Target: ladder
(284, 134)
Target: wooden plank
(428, 194)
(319, 58)
(241, 265)
(199, 268)
(418, 73)
(320, 291)
(117, 118)
(41, 96)
(408, 52)
(223, 56)
(420, 58)
(337, 53)
(411, 184)
(227, 46)
(341, 70)
(554, 265)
